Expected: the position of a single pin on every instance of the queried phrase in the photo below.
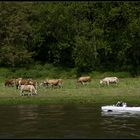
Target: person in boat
(124, 104)
(120, 103)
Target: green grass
(127, 90)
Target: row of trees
(83, 35)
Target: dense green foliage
(86, 36)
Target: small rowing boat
(119, 108)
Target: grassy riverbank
(127, 90)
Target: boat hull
(120, 109)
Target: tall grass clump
(50, 71)
(98, 75)
(5, 72)
(40, 71)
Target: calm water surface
(65, 122)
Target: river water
(66, 122)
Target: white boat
(114, 108)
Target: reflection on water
(66, 121)
(122, 124)
(121, 114)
